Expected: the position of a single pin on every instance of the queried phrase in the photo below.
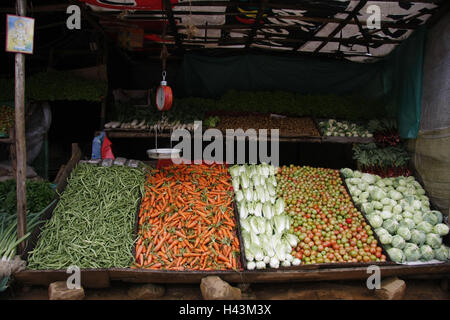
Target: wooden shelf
(101, 278)
(346, 140)
(141, 134)
(6, 140)
(98, 278)
(10, 138)
(130, 134)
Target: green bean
(92, 224)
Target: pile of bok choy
(337, 128)
(264, 224)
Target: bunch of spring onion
(8, 233)
(265, 226)
(9, 242)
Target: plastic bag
(97, 146)
(106, 149)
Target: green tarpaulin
(396, 79)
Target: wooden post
(21, 151)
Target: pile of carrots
(186, 220)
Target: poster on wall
(19, 34)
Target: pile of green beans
(92, 225)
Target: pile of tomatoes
(329, 227)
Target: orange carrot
(181, 203)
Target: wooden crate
(101, 278)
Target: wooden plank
(366, 36)
(21, 150)
(346, 140)
(257, 23)
(45, 277)
(6, 140)
(90, 279)
(355, 11)
(155, 15)
(284, 40)
(39, 9)
(280, 5)
(122, 134)
(172, 23)
(59, 174)
(100, 278)
(76, 156)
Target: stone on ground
(214, 288)
(391, 289)
(59, 291)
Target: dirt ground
(415, 290)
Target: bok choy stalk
(264, 223)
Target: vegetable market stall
(300, 118)
(133, 266)
(103, 275)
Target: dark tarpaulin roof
(336, 27)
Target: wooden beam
(440, 12)
(155, 16)
(363, 32)
(39, 9)
(93, 22)
(280, 26)
(280, 5)
(317, 6)
(300, 6)
(355, 11)
(296, 40)
(21, 150)
(309, 37)
(173, 26)
(257, 23)
(411, 1)
(384, 24)
(152, 17)
(73, 161)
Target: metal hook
(164, 75)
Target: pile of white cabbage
(336, 128)
(399, 211)
(265, 226)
